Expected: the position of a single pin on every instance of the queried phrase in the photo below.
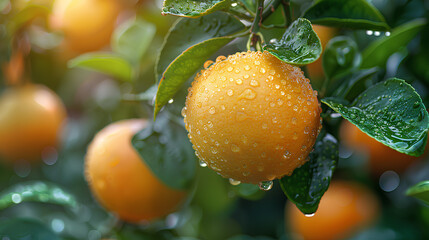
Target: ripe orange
(252, 117)
(87, 24)
(121, 181)
(381, 158)
(344, 209)
(315, 69)
(31, 117)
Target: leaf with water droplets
(36, 192)
(377, 53)
(188, 44)
(340, 57)
(192, 8)
(420, 191)
(299, 45)
(107, 63)
(167, 151)
(357, 14)
(22, 228)
(391, 112)
(306, 186)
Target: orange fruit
(252, 117)
(344, 209)
(31, 117)
(315, 69)
(121, 181)
(87, 25)
(381, 158)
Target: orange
(381, 158)
(344, 209)
(121, 181)
(87, 25)
(31, 117)
(315, 69)
(252, 117)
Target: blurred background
(48, 197)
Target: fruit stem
(288, 11)
(255, 39)
(270, 9)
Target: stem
(270, 9)
(288, 11)
(255, 38)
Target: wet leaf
(420, 191)
(379, 51)
(299, 45)
(340, 57)
(36, 192)
(357, 14)
(133, 38)
(193, 8)
(21, 228)
(107, 63)
(391, 112)
(188, 45)
(167, 151)
(306, 186)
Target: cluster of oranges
(251, 117)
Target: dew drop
(220, 58)
(207, 64)
(234, 182)
(247, 94)
(183, 112)
(257, 63)
(235, 148)
(309, 215)
(247, 68)
(254, 83)
(229, 69)
(246, 76)
(262, 70)
(203, 164)
(239, 81)
(241, 116)
(265, 185)
(212, 110)
(230, 92)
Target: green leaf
(391, 112)
(189, 43)
(25, 16)
(420, 191)
(377, 53)
(21, 228)
(250, 5)
(193, 8)
(357, 14)
(306, 186)
(133, 38)
(166, 149)
(353, 84)
(36, 192)
(107, 63)
(340, 57)
(299, 45)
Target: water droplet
(254, 83)
(246, 76)
(309, 215)
(247, 94)
(212, 110)
(220, 58)
(183, 112)
(239, 81)
(264, 126)
(244, 139)
(207, 64)
(262, 70)
(170, 101)
(257, 63)
(234, 182)
(16, 198)
(246, 67)
(265, 185)
(230, 92)
(294, 120)
(235, 148)
(203, 164)
(230, 69)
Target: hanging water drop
(203, 164)
(265, 185)
(234, 182)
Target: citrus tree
(175, 117)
